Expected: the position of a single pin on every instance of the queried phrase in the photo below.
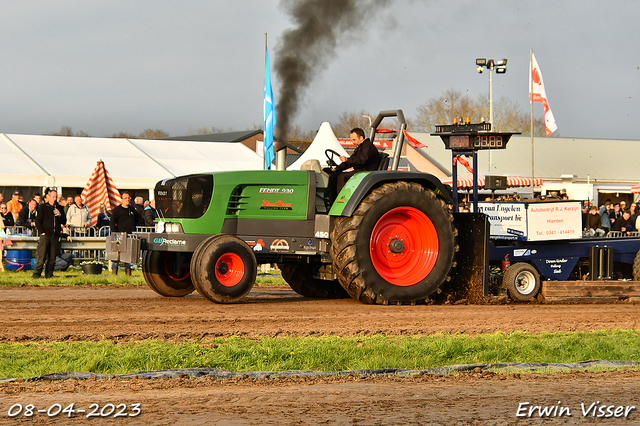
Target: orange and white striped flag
(100, 190)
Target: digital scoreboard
(471, 137)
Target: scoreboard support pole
(454, 182)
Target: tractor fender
(361, 184)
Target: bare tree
(208, 130)
(508, 116)
(67, 131)
(123, 135)
(296, 134)
(153, 134)
(443, 109)
(349, 120)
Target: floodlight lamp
(479, 69)
(501, 70)
(481, 62)
(501, 62)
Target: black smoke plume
(321, 26)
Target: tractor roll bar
(397, 147)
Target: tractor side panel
(277, 195)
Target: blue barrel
(18, 260)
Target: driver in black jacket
(365, 158)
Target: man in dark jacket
(49, 221)
(123, 219)
(623, 223)
(150, 214)
(365, 158)
(138, 204)
(27, 216)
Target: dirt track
(67, 313)
(47, 314)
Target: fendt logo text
(165, 242)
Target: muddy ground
(92, 313)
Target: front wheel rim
(525, 283)
(404, 246)
(229, 269)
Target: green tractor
(390, 236)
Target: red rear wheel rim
(176, 271)
(404, 246)
(229, 269)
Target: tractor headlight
(168, 227)
(174, 227)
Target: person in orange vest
(14, 205)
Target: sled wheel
(167, 273)
(224, 269)
(299, 276)
(636, 267)
(398, 247)
(522, 282)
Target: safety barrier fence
(617, 234)
(86, 243)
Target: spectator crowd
(617, 217)
(54, 218)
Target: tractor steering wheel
(330, 157)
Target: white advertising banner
(554, 221)
(508, 221)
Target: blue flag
(269, 117)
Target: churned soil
(94, 313)
(29, 314)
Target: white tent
(325, 139)
(39, 161)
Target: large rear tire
(299, 276)
(522, 282)
(398, 247)
(223, 268)
(167, 273)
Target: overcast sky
(109, 66)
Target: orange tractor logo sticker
(278, 205)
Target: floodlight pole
(501, 68)
(490, 98)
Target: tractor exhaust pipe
(281, 155)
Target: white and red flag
(100, 189)
(538, 94)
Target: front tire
(398, 247)
(224, 269)
(167, 273)
(299, 276)
(522, 282)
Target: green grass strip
(70, 277)
(75, 277)
(329, 353)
